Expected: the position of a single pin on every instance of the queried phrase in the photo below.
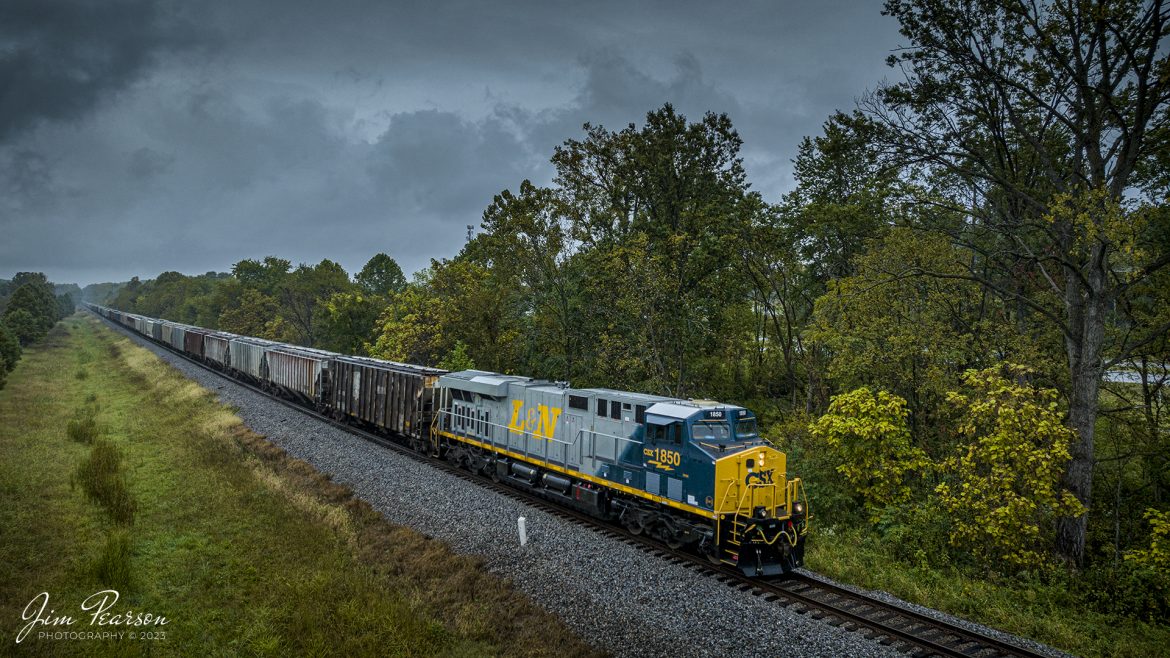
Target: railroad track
(889, 624)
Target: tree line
(29, 307)
(956, 321)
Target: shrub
(1126, 589)
(868, 437)
(1004, 491)
(1157, 556)
(101, 477)
(83, 427)
(918, 534)
(112, 566)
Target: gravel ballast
(613, 595)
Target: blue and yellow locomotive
(689, 472)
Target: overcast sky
(141, 136)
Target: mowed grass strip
(244, 549)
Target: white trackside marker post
(520, 524)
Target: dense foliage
(870, 438)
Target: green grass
(1047, 612)
(133, 478)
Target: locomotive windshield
(711, 430)
(746, 429)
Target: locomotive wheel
(712, 555)
(634, 524)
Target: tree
(381, 276)
(253, 313)
(914, 335)
(868, 436)
(408, 330)
(9, 348)
(1041, 115)
(1004, 492)
(302, 294)
(265, 276)
(21, 278)
(23, 325)
(527, 236)
(33, 309)
(349, 320)
(454, 301)
(677, 190)
(458, 359)
(842, 197)
(65, 305)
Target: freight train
(691, 473)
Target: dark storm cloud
(59, 59)
(147, 163)
(314, 130)
(432, 163)
(25, 175)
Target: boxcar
(395, 396)
(301, 371)
(165, 334)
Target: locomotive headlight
(798, 508)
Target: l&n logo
(541, 421)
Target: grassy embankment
(1048, 612)
(117, 472)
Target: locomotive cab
(760, 514)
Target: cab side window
(671, 433)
